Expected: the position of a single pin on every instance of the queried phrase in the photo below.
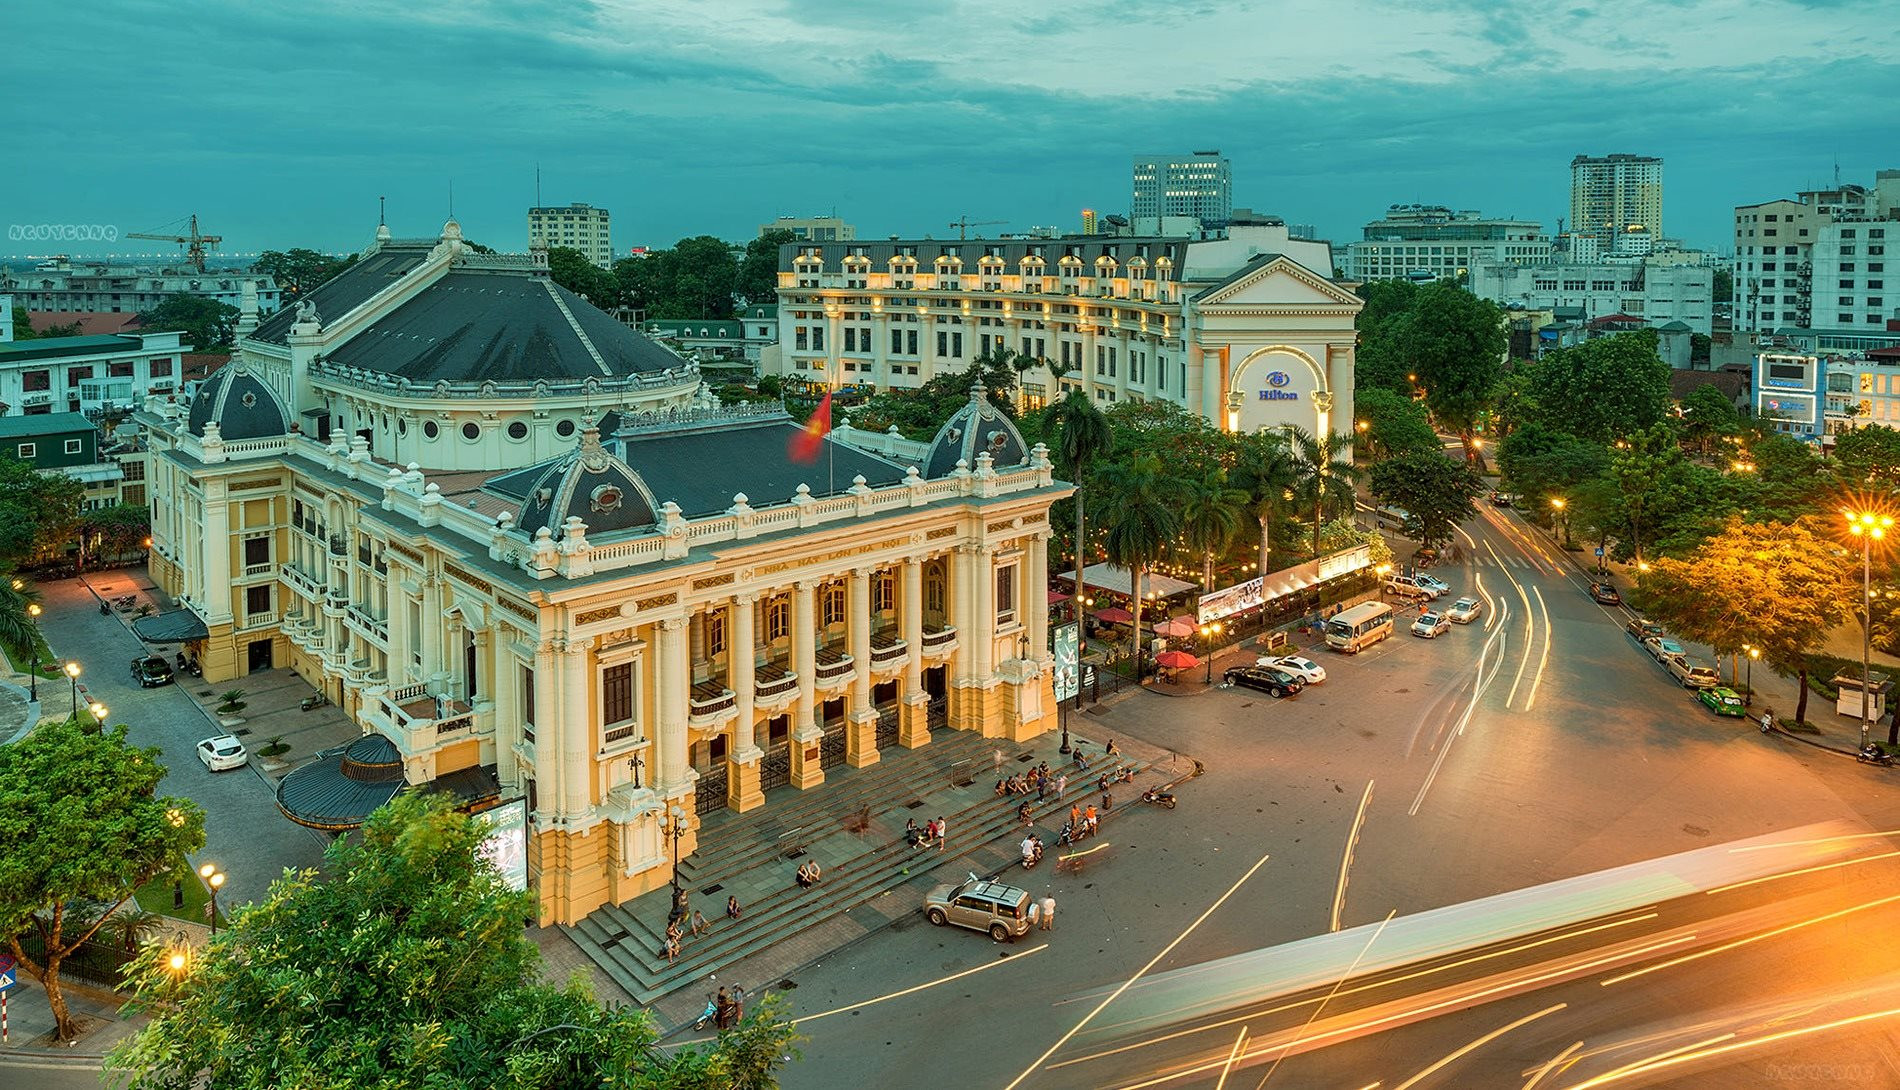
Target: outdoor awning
(1114, 615)
(1056, 596)
(1179, 627)
(173, 627)
(1116, 581)
(339, 790)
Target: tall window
(527, 703)
(883, 592)
(778, 619)
(715, 633)
(1006, 595)
(933, 587)
(832, 604)
(257, 599)
(616, 701)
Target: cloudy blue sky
(281, 123)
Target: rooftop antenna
(382, 208)
(1837, 172)
(451, 198)
(537, 185)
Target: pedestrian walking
(732, 908)
(1062, 784)
(942, 833)
(1048, 914)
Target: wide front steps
(629, 943)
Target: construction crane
(194, 243)
(964, 223)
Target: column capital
(671, 624)
(746, 597)
(573, 645)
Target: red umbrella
(1114, 615)
(1179, 627)
(1176, 660)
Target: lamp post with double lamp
(72, 673)
(214, 880)
(1209, 633)
(1869, 526)
(674, 827)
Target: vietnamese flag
(803, 447)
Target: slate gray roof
(976, 428)
(243, 406)
(16, 427)
(589, 484)
(501, 325)
(342, 786)
(350, 288)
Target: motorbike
(192, 668)
(313, 702)
(1872, 754)
(1032, 851)
(1159, 797)
(710, 1016)
(125, 601)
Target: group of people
(923, 836)
(808, 873)
(1082, 823)
(1039, 781)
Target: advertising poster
(506, 845)
(1068, 648)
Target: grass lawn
(156, 896)
(16, 655)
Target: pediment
(1277, 282)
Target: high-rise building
(576, 226)
(1819, 262)
(1199, 185)
(1612, 193)
(1429, 241)
(813, 228)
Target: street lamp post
(72, 673)
(673, 827)
(1869, 526)
(1557, 504)
(1753, 654)
(214, 878)
(1208, 634)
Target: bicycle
(710, 1016)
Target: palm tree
(1265, 471)
(1211, 514)
(1323, 471)
(130, 926)
(16, 617)
(1140, 524)
(1083, 437)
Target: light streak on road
(1139, 973)
(1479, 686)
(1551, 1065)
(1657, 1063)
(1479, 1043)
(1491, 608)
(1530, 623)
(1015, 957)
(1727, 946)
(1530, 699)
(1321, 1005)
(1238, 1041)
(1345, 861)
(1821, 840)
(1804, 870)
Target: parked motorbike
(1872, 754)
(192, 668)
(126, 601)
(1159, 797)
(313, 702)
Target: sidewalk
(31, 1028)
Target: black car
(1276, 683)
(1606, 593)
(151, 672)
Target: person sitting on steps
(808, 874)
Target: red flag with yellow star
(804, 446)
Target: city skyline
(685, 126)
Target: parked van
(1001, 910)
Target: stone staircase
(853, 827)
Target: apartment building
(575, 226)
(64, 286)
(1427, 242)
(1611, 193)
(1199, 185)
(1817, 263)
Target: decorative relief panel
(713, 581)
(524, 612)
(594, 615)
(657, 601)
(478, 583)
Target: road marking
(1321, 1005)
(1345, 861)
(1480, 1042)
(1238, 1042)
(1139, 973)
(1654, 1063)
(921, 987)
(1552, 1065)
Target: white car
(1305, 669)
(1432, 583)
(1430, 624)
(223, 752)
(1464, 611)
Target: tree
(1605, 389)
(117, 530)
(404, 964)
(1723, 290)
(1638, 468)
(697, 278)
(572, 270)
(39, 512)
(1455, 343)
(1380, 360)
(206, 323)
(84, 825)
(1540, 462)
(1439, 492)
(1211, 511)
(1773, 585)
(1701, 345)
(22, 324)
(1140, 525)
(299, 271)
(1390, 423)
(17, 630)
(1708, 415)
(1869, 456)
(758, 269)
(1322, 473)
(1082, 439)
(1264, 469)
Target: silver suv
(980, 905)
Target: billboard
(506, 845)
(1068, 648)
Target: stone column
(983, 613)
(806, 770)
(578, 723)
(742, 761)
(860, 746)
(431, 634)
(504, 693)
(913, 726)
(881, 349)
(217, 551)
(670, 670)
(697, 633)
(1035, 595)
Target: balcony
(941, 642)
(301, 583)
(257, 569)
(411, 710)
(339, 546)
(360, 619)
(711, 702)
(772, 681)
(832, 667)
(259, 620)
(887, 650)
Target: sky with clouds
(281, 124)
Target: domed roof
(976, 428)
(592, 485)
(240, 404)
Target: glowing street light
(72, 673)
(1557, 504)
(214, 878)
(1208, 634)
(1869, 526)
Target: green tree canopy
(1773, 585)
(919, 413)
(1140, 520)
(1604, 389)
(1394, 424)
(298, 271)
(1212, 511)
(404, 965)
(1440, 492)
(1380, 360)
(83, 826)
(1264, 469)
(1323, 475)
(207, 324)
(572, 270)
(1707, 416)
(1540, 462)
(1455, 343)
(39, 512)
(1869, 457)
(697, 278)
(758, 269)
(117, 530)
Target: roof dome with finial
(979, 427)
(589, 484)
(240, 403)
